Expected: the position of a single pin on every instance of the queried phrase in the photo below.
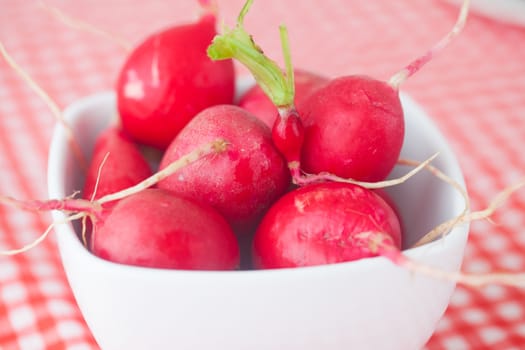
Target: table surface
(475, 92)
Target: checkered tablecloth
(475, 91)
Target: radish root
(83, 234)
(476, 215)
(381, 244)
(99, 173)
(42, 237)
(468, 279)
(400, 77)
(473, 280)
(55, 110)
(444, 228)
(78, 24)
(305, 179)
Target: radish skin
(83, 25)
(53, 107)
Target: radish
(325, 223)
(168, 79)
(353, 128)
(155, 228)
(358, 134)
(116, 164)
(256, 101)
(240, 183)
(335, 222)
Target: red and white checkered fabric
(475, 91)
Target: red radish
(325, 223)
(240, 183)
(156, 228)
(116, 164)
(257, 102)
(351, 128)
(168, 79)
(335, 222)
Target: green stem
(236, 43)
(285, 44)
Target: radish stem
(290, 79)
(238, 44)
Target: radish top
(238, 44)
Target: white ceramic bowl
(367, 304)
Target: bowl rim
(66, 236)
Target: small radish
(353, 128)
(242, 182)
(155, 228)
(116, 164)
(325, 223)
(168, 79)
(256, 101)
